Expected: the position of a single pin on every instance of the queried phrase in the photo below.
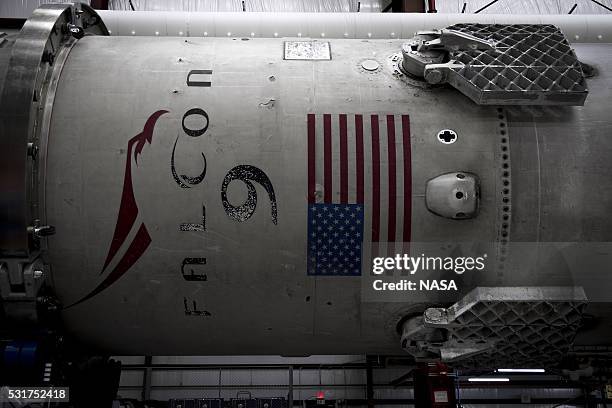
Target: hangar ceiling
(443, 6)
(23, 8)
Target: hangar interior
(339, 381)
(581, 375)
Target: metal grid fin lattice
(530, 63)
(525, 333)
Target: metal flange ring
(32, 61)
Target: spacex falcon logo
(128, 213)
(131, 236)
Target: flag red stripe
(311, 159)
(359, 157)
(407, 178)
(328, 162)
(327, 159)
(392, 178)
(343, 161)
(375, 179)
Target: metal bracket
(453, 195)
(496, 64)
(516, 325)
(19, 286)
(433, 47)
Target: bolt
(434, 314)
(76, 31)
(434, 76)
(41, 231)
(48, 56)
(32, 150)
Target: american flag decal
(359, 189)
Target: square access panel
(307, 50)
